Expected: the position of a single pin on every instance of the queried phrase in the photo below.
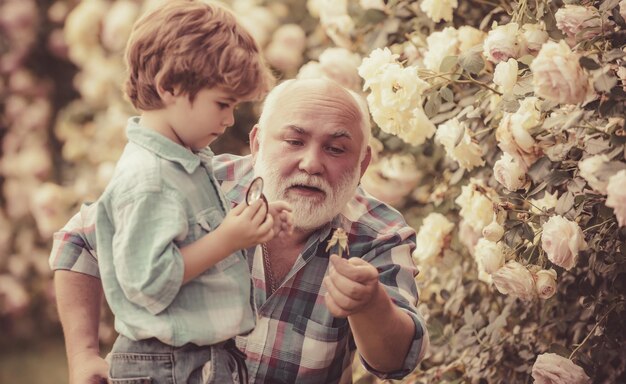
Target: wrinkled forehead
(319, 101)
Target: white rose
(50, 205)
(440, 45)
(392, 178)
(513, 136)
(431, 236)
(501, 43)
(533, 36)
(562, 239)
(118, 23)
(489, 255)
(468, 236)
(15, 297)
(395, 102)
(551, 368)
(290, 36)
(476, 201)
(573, 19)
(622, 9)
(341, 65)
(372, 4)
(282, 57)
(589, 168)
(515, 280)
(439, 10)
(372, 66)
(509, 172)
(505, 75)
(493, 232)
(455, 138)
(616, 196)
(545, 282)
(469, 37)
(83, 40)
(557, 75)
(546, 202)
(311, 70)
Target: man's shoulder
(372, 215)
(229, 167)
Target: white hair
(270, 105)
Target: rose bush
(499, 134)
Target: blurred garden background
(498, 132)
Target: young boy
(170, 251)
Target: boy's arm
(78, 300)
(243, 227)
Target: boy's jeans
(153, 362)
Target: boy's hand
(283, 220)
(352, 284)
(89, 369)
(248, 225)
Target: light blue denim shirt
(161, 198)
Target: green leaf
(604, 83)
(560, 350)
(589, 63)
(448, 63)
(447, 94)
(564, 203)
(431, 108)
(607, 5)
(472, 62)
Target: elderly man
(314, 309)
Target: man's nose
(311, 161)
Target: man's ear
(366, 160)
(254, 140)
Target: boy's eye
(223, 105)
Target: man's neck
(297, 239)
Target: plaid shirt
(296, 339)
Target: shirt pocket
(207, 221)
(320, 343)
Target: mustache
(308, 181)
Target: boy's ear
(166, 95)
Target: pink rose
(516, 280)
(562, 239)
(616, 196)
(551, 368)
(501, 43)
(545, 282)
(557, 75)
(573, 19)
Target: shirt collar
(166, 148)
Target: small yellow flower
(340, 238)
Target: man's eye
(335, 150)
(294, 142)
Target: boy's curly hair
(185, 46)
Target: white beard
(309, 213)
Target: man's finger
(349, 288)
(360, 273)
(343, 301)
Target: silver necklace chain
(269, 274)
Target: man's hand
(88, 368)
(283, 220)
(352, 284)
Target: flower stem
(592, 330)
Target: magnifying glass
(255, 192)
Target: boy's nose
(229, 120)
